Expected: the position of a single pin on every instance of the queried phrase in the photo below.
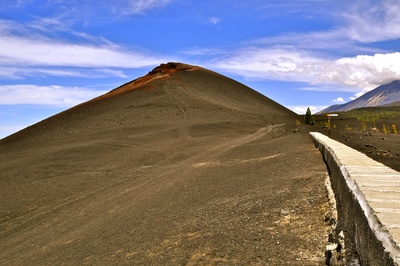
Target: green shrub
(309, 119)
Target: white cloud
(339, 100)
(61, 22)
(262, 63)
(201, 51)
(214, 20)
(142, 6)
(368, 71)
(15, 50)
(45, 95)
(21, 72)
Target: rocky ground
(243, 196)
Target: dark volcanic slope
(170, 93)
(182, 166)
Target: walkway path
(374, 186)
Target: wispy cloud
(45, 95)
(14, 4)
(22, 72)
(24, 52)
(16, 50)
(369, 21)
(60, 22)
(201, 51)
(269, 63)
(142, 6)
(214, 20)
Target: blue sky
(55, 54)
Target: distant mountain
(384, 95)
(332, 108)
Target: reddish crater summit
(163, 71)
(170, 67)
